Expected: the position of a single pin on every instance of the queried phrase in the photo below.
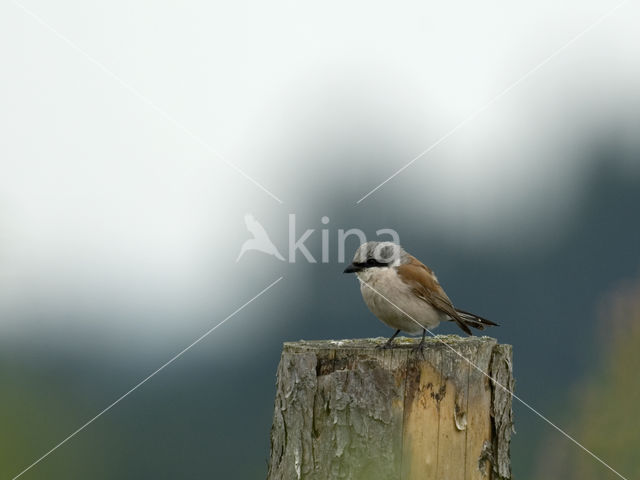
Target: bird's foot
(419, 348)
(386, 345)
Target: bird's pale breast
(395, 304)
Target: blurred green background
(209, 413)
(121, 220)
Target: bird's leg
(420, 346)
(387, 344)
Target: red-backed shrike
(404, 293)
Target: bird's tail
(475, 321)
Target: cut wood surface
(345, 409)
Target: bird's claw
(419, 348)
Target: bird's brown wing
(426, 287)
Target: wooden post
(348, 410)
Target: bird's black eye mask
(372, 262)
(369, 263)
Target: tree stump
(348, 410)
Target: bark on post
(347, 410)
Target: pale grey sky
(96, 180)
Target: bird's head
(372, 255)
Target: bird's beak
(353, 268)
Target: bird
(260, 240)
(404, 293)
